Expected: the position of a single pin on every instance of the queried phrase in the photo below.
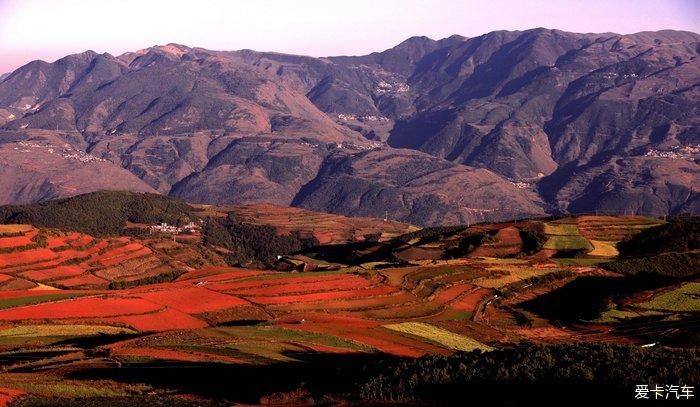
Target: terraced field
(327, 228)
(32, 258)
(57, 298)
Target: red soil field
(83, 280)
(55, 242)
(324, 296)
(255, 283)
(470, 301)
(42, 265)
(17, 284)
(193, 299)
(349, 283)
(80, 308)
(450, 293)
(81, 240)
(26, 257)
(220, 274)
(545, 334)
(76, 253)
(53, 273)
(7, 395)
(164, 320)
(421, 253)
(612, 228)
(136, 273)
(114, 260)
(350, 304)
(16, 241)
(508, 243)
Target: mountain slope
(530, 119)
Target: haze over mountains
(503, 125)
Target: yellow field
(499, 260)
(62, 330)
(603, 249)
(7, 229)
(440, 336)
(515, 274)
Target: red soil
(451, 293)
(42, 265)
(16, 241)
(255, 284)
(324, 296)
(5, 277)
(216, 272)
(545, 334)
(508, 243)
(193, 299)
(421, 253)
(82, 240)
(351, 304)
(53, 273)
(75, 253)
(17, 284)
(80, 308)
(83, 280)
(114, 260)
(470, 301)
(8, 394)
(26, 257)
(349, 283)
(164, 320)
(55, 242)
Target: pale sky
(49, 29)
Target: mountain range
(505, 125)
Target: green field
(565, 236)
(560, 229)
(260, 344)
(579, 261)
(18, 302)
(685, 298)
(570, 242)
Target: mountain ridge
(554, 121)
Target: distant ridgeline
(99, 213)
(670, 250)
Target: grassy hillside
(99, 213)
